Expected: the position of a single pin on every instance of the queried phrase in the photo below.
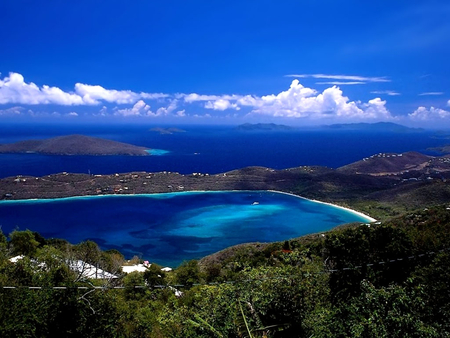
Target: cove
(172, 227)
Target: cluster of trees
(327, 286)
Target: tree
(188, 273)
(154, 275)
(23, 243)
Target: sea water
(207, 149)
(173, 227)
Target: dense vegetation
(377, 280)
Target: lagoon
(172, 227)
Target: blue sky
(297, 62)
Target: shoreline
(370, 219)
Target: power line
(175, 286)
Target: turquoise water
(173, 227)
(157, 152)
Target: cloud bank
(429, 114)
(297, 102)
(14, 90)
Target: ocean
(207, 149)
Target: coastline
(370, 219)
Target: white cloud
(72, 113)
(431, 94)
(221, 104)
(448, 103)
(180, 113)
(362, 79)
(302, 102)
(14, 89)
(337, 83)
(140, 108)
(94, 94)
(162, 111)
(12, 111)
(103, 111)
(386, 92)
(193, 97)
(431, 114)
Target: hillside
(387, 164)
(74, 145)
(375, 127)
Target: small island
(263, 127)
(74, 145)
(167, 131)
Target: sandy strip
(369, 219)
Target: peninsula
(74, 145)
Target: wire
(175, 286)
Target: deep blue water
(206, 149)
(170, 228)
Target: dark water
(207, 149)
(170, 228)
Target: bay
(173, 227)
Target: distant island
(263, 127)
(380, 126)
(74, 145)
(167, 131)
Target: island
(375, 127)
(167, 131)
(263, 127)
(74, 145)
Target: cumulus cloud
(302, 102)
(94, 94)
(14, 89)
(72, 113)
(361, 79)
(448, 103)
(221, 104)
(162, 111)
(139, 109)
(431, 114)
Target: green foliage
(278, 290)
(188, 273)
(392, 311)
(23, 243)
(355, 247)
(154, 276)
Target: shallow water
(173, 227)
